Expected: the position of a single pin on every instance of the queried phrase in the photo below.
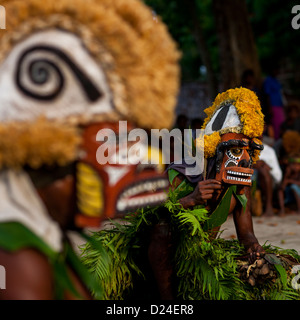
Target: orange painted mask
(112, 189)
(234, 159)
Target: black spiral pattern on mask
(39, 71)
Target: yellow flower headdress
(244, 117)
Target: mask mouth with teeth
(142, 193)
(234, 159)
(115, 188)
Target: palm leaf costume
(205, 268)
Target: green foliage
(206, 266)
(176, 16)
(172, 174)
(121, 244)
(207, 269)
(273, 31)
(274, 36)
(219, 216)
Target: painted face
(55, 77)
(109, 190)
(234, 159)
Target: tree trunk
(236, 42)
(202, 47)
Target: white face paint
(52, 74)
(115, 174)
(230, 119)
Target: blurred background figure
(268, 176)
(248, 81)
(289, 191)
(196, 124)
(182, 122)
(292, 117)
(274, 100)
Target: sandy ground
(283, 232)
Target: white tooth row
(240, 173)
(143, 187)
(238, 179)
(123, 204)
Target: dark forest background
(220, 39)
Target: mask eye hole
(235, 153)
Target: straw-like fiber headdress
(76, 62)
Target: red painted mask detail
(236, 164)
(120, 187)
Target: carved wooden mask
(234, 159)
(112, 189)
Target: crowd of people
(277, 185)
(276, 179)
